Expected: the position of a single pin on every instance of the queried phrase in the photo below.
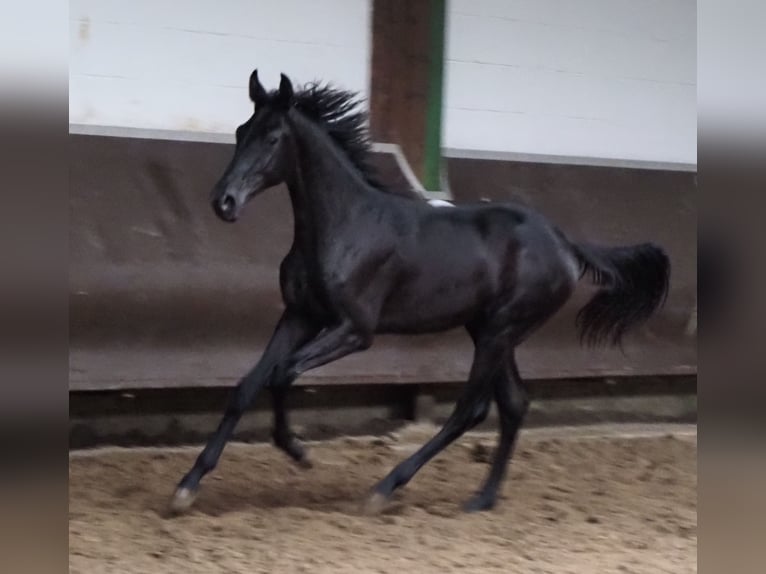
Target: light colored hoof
(374, 504)
(182, 500)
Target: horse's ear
(257, 93)
(286, 92)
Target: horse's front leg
(283, 437)
(331, 344)
(290, 333)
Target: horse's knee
(284, 374)
(358, 340)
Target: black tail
(634, 283)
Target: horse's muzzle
(225, 207)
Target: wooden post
(406, 89)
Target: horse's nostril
(227, 204)
(225, 207)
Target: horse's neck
(324, 187)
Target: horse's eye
(273, 140)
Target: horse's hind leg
(512, 403)
(471, 408)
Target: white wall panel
(164, 64)
(611, 79)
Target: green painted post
(433, 152)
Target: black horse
(365, 260)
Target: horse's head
(261, 153)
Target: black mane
(339, 113)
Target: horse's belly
(424, 308)
(402, 322)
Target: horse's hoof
(374, 504)
(479, 503)
(297, 452)
(183, 498)
(304, 462)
